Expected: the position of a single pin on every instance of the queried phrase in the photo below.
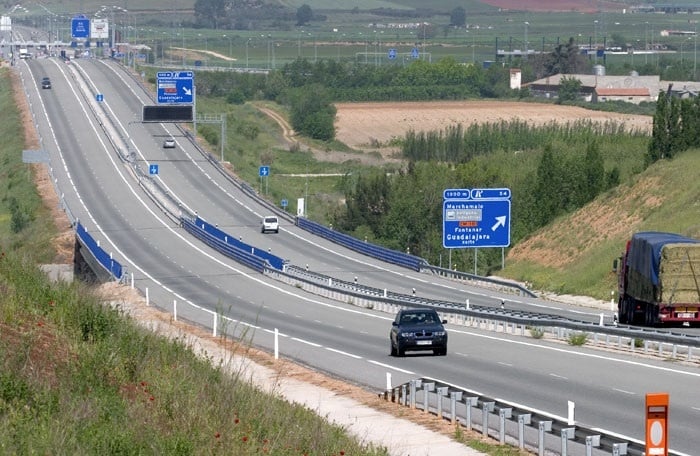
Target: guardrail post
(592, 441)
(427, 388)
(214, 325)
(441, 391)
(454, 397)
(566, 434)
(619, 449)
(544, 426)
(502, 415)
(486, 407)
(471, 402)
(174, 310)
(523, 420)
(414, 385)
(404, 399)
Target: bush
(578, 339)
(536, 332)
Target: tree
(458, 17)
(569, 88)
(304, 14)
(210, 12)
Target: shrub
(536, 332)
(578, 339)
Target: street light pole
(527, 24)
(246, 52)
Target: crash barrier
(505, 286)
(104, 259)
(521, 323)
(275, 261)
(381, 253)
(508, 423)
(242, 256)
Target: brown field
(372, 125)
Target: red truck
(659, 280)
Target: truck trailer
(659, 280)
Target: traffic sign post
(175, 87)
(263, 171)
(657, 424)
(153, 169)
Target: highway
(333, 337)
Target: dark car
(418, 329)
(46, 83)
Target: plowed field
(369, 125)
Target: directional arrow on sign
(187, 91)
(500, 221)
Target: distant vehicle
(46, 83)
(169, 143)
(659, 279)
(270, 223)
(418, 329)
(24, 53)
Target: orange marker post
(657, 424)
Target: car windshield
(271, 220)
(418, 318)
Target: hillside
(574, 255)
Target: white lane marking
(344, 353)
(296, 339)
(624, 391)
(577, 353)
(502, 363)
(387, 366)
(557, 376)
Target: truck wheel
(651, 315)
(622, 312)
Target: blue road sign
(80, 27)
(175, 86)
(414, 53)
(490, 193)
(285, 203)
(100, 97)
(392, 54)
(153, 169)
(264, 171)
(456, 193)
(475, 223)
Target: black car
(418, 329)
(46, 83)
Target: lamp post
(230, 56)
(595, 41)
(527, 25)
(246, 52)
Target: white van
(270, 223)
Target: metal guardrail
(375, 251)
(509, 423)
(503, 285)
(632, 338)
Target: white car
(169, 143)
(270, 223)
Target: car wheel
(400, 351)
(393, 351)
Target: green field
(363, 35)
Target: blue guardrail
(230, 246)
(104, 258)
(382, 253)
